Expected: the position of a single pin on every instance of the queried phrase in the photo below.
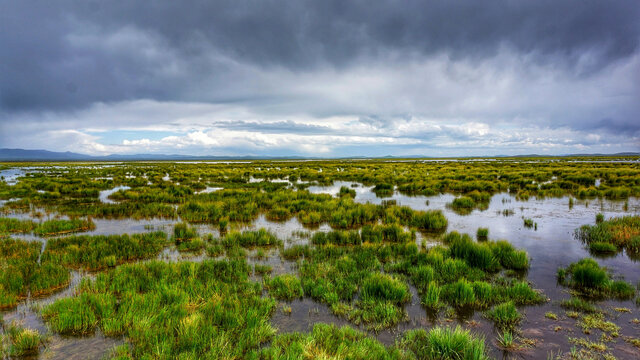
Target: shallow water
(104, 195)
(550, 245)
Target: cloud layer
(320, 78)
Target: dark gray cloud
(69, 54)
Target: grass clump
(391, 233)
(587, 277)
(327, 341)
(346, 191)
(247, 239)
(171, 310)
(444, 343)
(22, 342)
(295, 252)
(431, 297)
(15, 226)
(20, 272)
(103, 251)
(619, 233)
(578, 304)
(58, 227)
(528, 223)
(599, 247)
(432, 220)
(383, 190)
(505, 315)
(487, 256)
(383, 287)
(284, 287)
(278, 213)
(77, 315)
(482, 234)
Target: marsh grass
(175, 310)
(20, 272)
(284, 287)
(505, 315)
(250, 239)
(15, 226)
(587, 277)
(22, 342)
(345, 191)
(482, 234)
(612, 234)
(58, 227)
(444, 343)
(383, 287)
(46, 228)
(100, 252)
(578, 304)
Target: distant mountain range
(45, 155)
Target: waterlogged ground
(550, 244)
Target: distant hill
(45, 155)
(39, 155)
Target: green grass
(12, 225)
(171, 310)
(383, 287)
(528, 223)
(260, 237)
(22, 342)
(57, 227)
(578, 304)
(602, 248)
(459, 294)
(182, 232)
(432, 220)
(284, 287)
(345, 191)
(103, 251)
(482, 234)
(618, 233)
(505, 315)
(431, 297)
(587, 277)
(444, 343)
(487, 256)
(295, 252)
(20, 272)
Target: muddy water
(550, 246)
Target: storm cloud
(328, 77)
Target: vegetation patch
(103, 251)
(284, 287)
(171, 310)
(20, 272)
(587, 277)
(612, 235)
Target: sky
(320, 78)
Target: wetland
(359, 259)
